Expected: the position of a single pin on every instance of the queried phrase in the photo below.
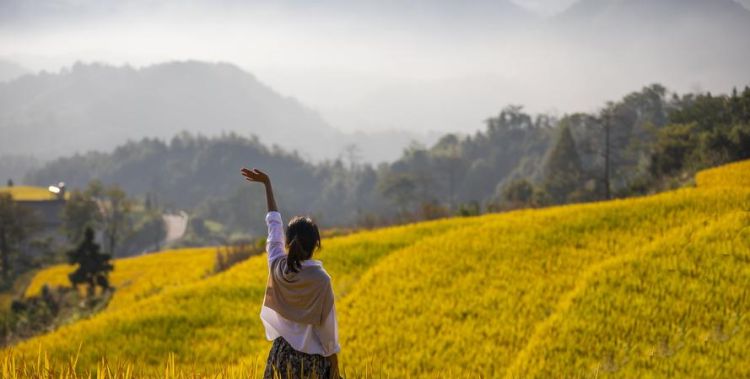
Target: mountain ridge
(637, 9)
(104, 105)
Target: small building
(47, 204)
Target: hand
(259, 176)
(334, 359)
(256, 175)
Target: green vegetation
(652, 286)
(648, 141)
(17, 224)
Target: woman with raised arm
(298, 311)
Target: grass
(28, 193)
(648, 287)
(138, 278)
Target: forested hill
(97, 107)
(648, 141)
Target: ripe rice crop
(653, 286)
(28, 193)
(730, 175)
(139, 277)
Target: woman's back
(298, 310)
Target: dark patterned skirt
(286, 363)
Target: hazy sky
(422, 67)
(545, 7)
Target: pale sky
(545, 7)
(549, 7)
(396, 70)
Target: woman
(298, 311)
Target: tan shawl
(305, 296)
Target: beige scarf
(305, 296)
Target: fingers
(248, 174)
(254, 175)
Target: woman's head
(302, 238)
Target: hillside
(10, 70)
(138, 278)
(102, 106)
(651, 286)
(690, 42)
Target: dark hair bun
(302, 238)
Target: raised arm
(275, 240)
(256, 175)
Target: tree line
(648, 141)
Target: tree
(609, 139)
(401, 189)
(93, 266)
(116, 208)
(518, 192)
(99, 207)
(17, 223)
(447, 155)
(352, 153)
(706, 131)
(80, 212)
(562, 170)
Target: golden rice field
(28, 193)
(139, 277)
(646, 287)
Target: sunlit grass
(735, 174)
(140, 277)
(28, 193)
(653, 286)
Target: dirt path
(176, 225)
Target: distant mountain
(10, 70)
(682, 43)
(422, 12)
(644, 16)
(475, 14)
(97, 107)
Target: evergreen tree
(93, 266)
(562, 170)
(518, 192)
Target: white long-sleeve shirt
(320, 339)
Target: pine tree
(562, 171)
(93, 266)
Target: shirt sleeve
(328, 334)
(275, 240)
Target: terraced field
(653, 286)
(28, 193)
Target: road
(175, 225)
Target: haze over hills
(97, 107)
(10, 70)
(687, 45)
(419, 67)
(589, 53)
(645, 10)
(686, 27)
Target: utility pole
(607, 151)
